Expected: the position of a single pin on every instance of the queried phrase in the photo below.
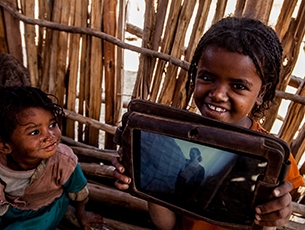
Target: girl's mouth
(51, 147)
(215, 108)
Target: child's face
(37, 138)
(227, 86)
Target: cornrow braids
(248, 37)
(14, 99)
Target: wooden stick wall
(75, 52)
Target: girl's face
(37, 138)
(227, 86)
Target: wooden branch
(135, 30)
(97, 170)
(95, 33)
(298, 208)
(113, 196)
(69, 141)
(103, 155)
(290, 96)
(92, 122)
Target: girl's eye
(205, 78)
(54, 124)
(239, 86)
(35, 132)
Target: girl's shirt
(293, 177)
(43, 185)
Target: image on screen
(204, 180)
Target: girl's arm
(162, 217)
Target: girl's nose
(48, 136)
(219, 93)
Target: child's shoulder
(65, 153)
(257, 127)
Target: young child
(234, 73)
(38, 175)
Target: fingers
(115, 161)
(277, 211)
(123, 181)
(282, 189)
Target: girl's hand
(123, 181)
(277, 211)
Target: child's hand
(123, 181)
(277, 211)
(88, 218)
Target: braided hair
(249, 37)
(15, 99)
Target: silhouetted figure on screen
(190, 178)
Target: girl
(38, 174)
(233, 76)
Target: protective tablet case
(199, 167)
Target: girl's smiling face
(35, 138)
(227, 86)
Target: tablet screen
(204, 180)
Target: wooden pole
(109, 56)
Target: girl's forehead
(33, 113)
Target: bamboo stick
(31, 49)
(220, 10)
(291, 46)
(284, 17)
(141, 86)
(3, 44)
(83, 69)
(110, 65)
(46, 14)
(132, 29)
(72, 142)
(182, 95)
(239, 7)
(259, 9)
(92, 122)
(157, 37)
(298, 145)
(167, 91)
(97, 170)
(119, 86)
(166, 45)
(96, 72)
(293, 119)
(51, 77)
(98, 34)
(112, 196)
(101, 155)
(62, 53)
(73, 66)
(12, 32)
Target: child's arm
(277, 211)
(84, 217)
(162, 217)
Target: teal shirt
(48, 217)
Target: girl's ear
(5, 148)
(262, 92)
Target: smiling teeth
(217, 109)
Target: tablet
(199, 167)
